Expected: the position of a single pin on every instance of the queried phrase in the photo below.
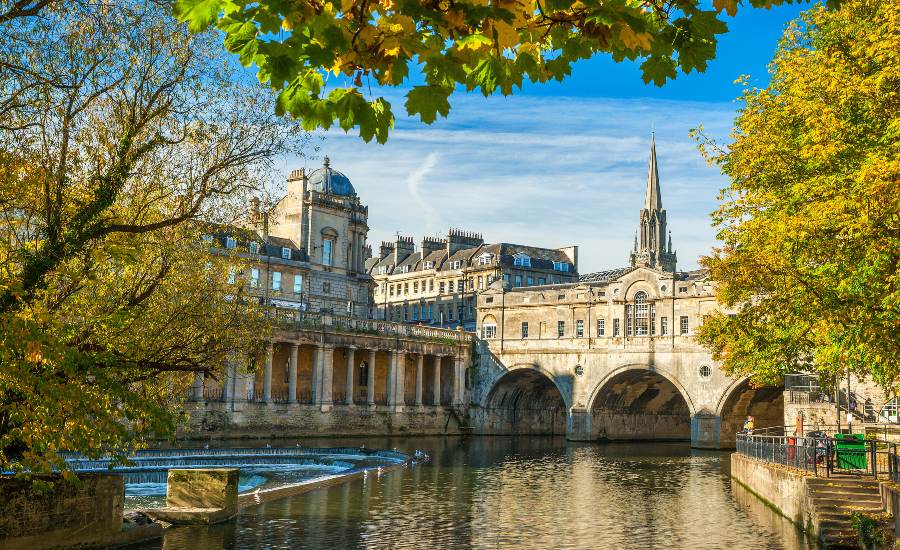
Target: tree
(810, 222)
(122, 138)
(479, 44)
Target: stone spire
(652, 198)
(650, 248)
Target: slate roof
(604, 276)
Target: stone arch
(563, 391)
(637, 286)
(765, 404)
(525, 399)
(640, 402)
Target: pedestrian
(748, 425)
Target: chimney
(458, 240)
(254, 210)
(385, 250)
(432, 244)
(403, 247)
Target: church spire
(651, 250)
(652, 198)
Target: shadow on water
(516, 492)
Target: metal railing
(823, 456)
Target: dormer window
(485, 259)
(522, 260)
(428, 265)
(561, 266)
(456, 264)
(254, 248)
(229, 243)
(382, 269)
(403, 269)
(285, 253)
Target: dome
(328, 180)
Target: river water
(515, 492)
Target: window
(629, 324)
(685, 327)
(484, 259)
(391, 290)
(616, 329)
(506, 278)
(298, 284)
(285, 253)
(430, 310)
(490, 279)
(254, 277)
(641, 314)
(601, 327)
(456, 264)
(529, 281)
(652, 319)
(480, 282)
(705, 371)
(441, 288)
(522, 260)
(415, 312)
(450, 312)
(405, 288)
(229, 243)
(206, 238)
(542, 281)
(560, 329)
(488, 331)
(682, 290)
(431, 285)
(406, 313)
(664, 326)
(518, 281)
(459, 312)
(254, 248)
(382, 269)
(471, 283)
(276, 281)
(326, 288)
(416, 286)
(327, 252)
(403, 269)
(524, 329)
(428, 265)
(579, 328)
(460, 284)
(231, 275)
(561, 266)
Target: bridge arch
(643, 402)
(526, 399)
(740, 399)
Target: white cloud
(547, 171)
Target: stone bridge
(632, 389)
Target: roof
(604, 276)
(328, 180)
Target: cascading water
(146, 471)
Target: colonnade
(322, 379)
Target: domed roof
(328, 180)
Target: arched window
(641, 314)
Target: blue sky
(562, 163)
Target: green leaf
(198, 14)
(428, 101)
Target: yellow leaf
(633, 40)
(507, 35)
(729, 6)
(455, 19)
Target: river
(515, 492)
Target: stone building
(612, 356)
(438, 283)
(328, 369)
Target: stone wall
(782, 488)
(256, 420)
(69, 514)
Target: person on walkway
(748, 425)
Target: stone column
(437, 379)
(400, 379)
(420, 364)
(229, 382)
(267, 373)
(370, 379)
(292, 374)
(326, 377)
(198, 386)
(459, 380)
(348, 387)
(391, 376)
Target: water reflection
(523, 492)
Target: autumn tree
(123, 136)
(325, 58)
(810, 223)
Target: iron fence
(824, 455)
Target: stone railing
(303, 320)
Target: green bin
(851, 451)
